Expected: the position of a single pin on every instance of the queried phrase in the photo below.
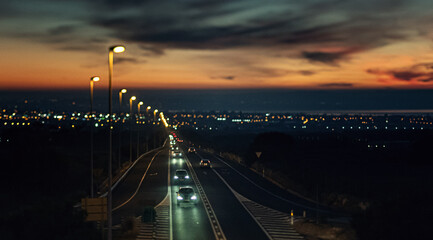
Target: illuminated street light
(133, 98)
(147, 114)
(118, 49)
(161, 114)
(111, 51)
(154, 114)
(92, 80)
(139, 105)
(121, 92)
(138, 129)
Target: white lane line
(253, 207)
(163, 227)
(281, 198)
(127, 171)
(216, 227)
(167, 201)
(169, 192)
(239, 199)
(139, 185)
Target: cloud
(337, 85)
(281, 25)
(230, 78)
(306, 28)
(152, 50)
(422, 72)
(306, 72)
(126, 60)
(324, 57)
(60, 30)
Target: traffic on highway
(204, 196)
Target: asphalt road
(235, 221)
(190, 221)
(151, 170)
(218, 214)
(260, 190)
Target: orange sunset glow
(241, 49)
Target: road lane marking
(139, 185)
(135, 162)
(216, 227)
(274, 224)
(281, 198)
(163, 227)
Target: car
(192, 150)
(186, 195)
(176, 153)
(181, 175)
(205, 163)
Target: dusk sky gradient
(293, 44)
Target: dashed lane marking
(275, 224)
(216, 227)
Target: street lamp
(154, 114)
(111, 51)
(147, 114)
(139, 105)
(121, 91)
(133, 98)
(92, 80)
(138, 129)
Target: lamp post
(92, 80)
(138, 129)
(154, 114)
(111, 51)
(147, 114)
(133, 98)
(138, 106)
(154, 122)
(121, 91)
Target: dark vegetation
(388, 189)
(46, 171)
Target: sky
(218, 44)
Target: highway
(234, 203)
(144, 185)
(260, 190)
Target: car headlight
(180, 154)
(176, 177)
(187, 177)
(179, 198)
(194, 197)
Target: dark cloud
(126, 60)
(419, 72)
(307, 28)
(426, 80)
(152, 50)
(324, 57)
(336, 85)
(406, 75)
(8, 9)
(60, 30)
(307, 72)
(225, 77)
(187, 25)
